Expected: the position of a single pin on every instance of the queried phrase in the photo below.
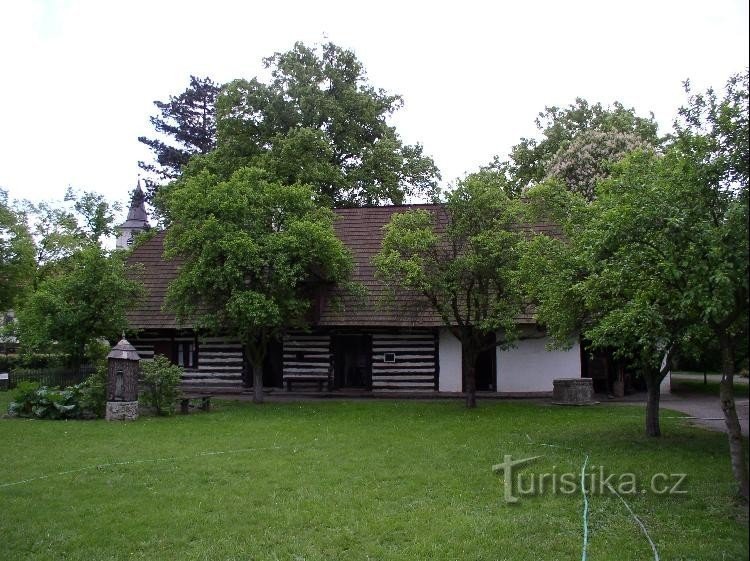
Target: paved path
(706, 410)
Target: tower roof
(137, 216)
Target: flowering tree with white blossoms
(589, 157)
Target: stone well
(573, 391)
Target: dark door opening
(272, 367)
(352, 361)
(486, 369)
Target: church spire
(137, 220)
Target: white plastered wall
(530, 367)
(449, 355)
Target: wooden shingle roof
(155, 273)
(361, 231)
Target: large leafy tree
(462, 260)
(659, 263)
(713, 150)
(318, 121)
(608, 133)
(612, 276)
(186, 125)
(84, 300)
(254, 250)
(17, 262)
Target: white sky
(79, 77)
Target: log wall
(415, 366)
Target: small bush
(94, 392)
(8, 362)
(86, 400)
(32, 400)
(96, 352)
(160, 381)
(23, 399)
(39, 360)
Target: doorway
(485, 371)
(486, 368)
(352, 361)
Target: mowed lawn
(330, 480)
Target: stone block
(573, 391)
(121, 411)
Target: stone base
(121, 411)
(573, 391)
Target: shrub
(160, 381)
(32, 400)
(23, 398)
(85, 400)
(96, 352)
(39, 360)
(8, 362)
(94, 392)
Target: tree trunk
(258, 383)
(726, 395)
(468, 367)
(618, 388)
(653, 427)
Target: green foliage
(252, 249)
(531, 160)
(8, 362)
(95, 215)
(160, 381)
(31, 400)
(85, 400)
(462, 260)
(662, 255)
(317, 122)
(17, 253)
(62, 229)
(93, 392)
(658, 263)
(55, 233)
(470, 259)
(30, 360)
(142, 237)
(22, 398)
(85, 300)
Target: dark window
(186, 356)
(389, 357)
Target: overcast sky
(79, 77)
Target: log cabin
(375, 344)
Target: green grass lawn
(356, 480)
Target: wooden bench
(319, 378)
(185, 399)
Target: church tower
(137, 220)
